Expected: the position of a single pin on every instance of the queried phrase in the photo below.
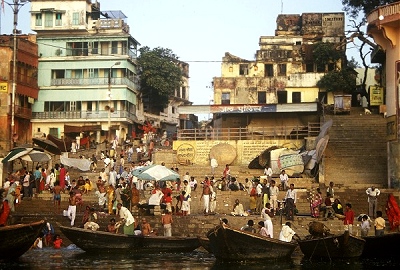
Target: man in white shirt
(268, 173)
(290, 199)
(273, 196)
(259, 200)
(286, 233)
(214, 164)
(373, 194)
(284, 180)
(127, 219)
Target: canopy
(16, 153)
(156, 172)
(36, 156)
(47, 145)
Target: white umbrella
(36, 156)
(156, 172)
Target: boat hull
(230, 244)
(333, 246)
(98, 241)
(381, 246)
(17, 239)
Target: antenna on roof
(281, 6)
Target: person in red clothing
(57, 242)
(4, 209)
(348, 219)
(167, 197)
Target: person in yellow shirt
(379, 224)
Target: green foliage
(352, 63)
(325, 53)
(338, 81)
(160, 75)
(353, 8)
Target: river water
(75, 258)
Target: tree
(160, 76)
(338, 81)
(354, 7)
(325, 53)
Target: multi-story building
(16, 114)
(279, 87)
(169, 118)
(384, 27)
(87, 71)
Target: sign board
(376, 95)
(4, 87)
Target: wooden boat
(17, 239)
(98, 241)
(205, 243)
(332, 246)
(227, 243)
(381, 246)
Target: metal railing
(94, 81)
(252, 133)
(96, 115)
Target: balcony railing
(93, 81)
(384, 11)
(253, 133)
(84, 115)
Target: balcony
(162, 117)
(21, 112)
(86, 115)
(93, 81)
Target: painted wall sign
(243, 108)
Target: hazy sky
(198, 30)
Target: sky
(199, 32)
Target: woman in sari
(393, 212)
(315, 203)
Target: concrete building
(384, 27)
(278, 88)
(26, 88)
(88, 74)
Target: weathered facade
(384, 27)
(26, 88)
(279, 86)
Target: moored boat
(382, 246)
(98, 241)
(205, 243)
(332, 246)
(17, 239)
(227, 243)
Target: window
(95, 47)
(58, 74)
(243, 69)
(77, 49)
(75, 18)
(262, 97)
(296, 97)
(183, 92)
(38, 21)
(331, 66)
(48, 19)
(91, 73)
(89, 106)
(173, 109)
(281, 69)
(226, 98)
(309, 67)
(282, 97)
(53, 132)
(269, 70)
(114, 47)
(58, 19)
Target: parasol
(47, 145)
(16, 153)
(156, 172)
(36, 156)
